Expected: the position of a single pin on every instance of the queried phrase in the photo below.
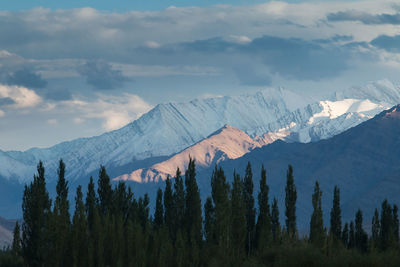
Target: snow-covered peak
(169, 128)
(226, 143)
(335, 109)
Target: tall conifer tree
(250, 210)
(345, 235)
(61, 220)
(290, 204)
(238, 219)
(375, 228)
(275, 225)
(91, 203)
(16, 244)
(179, 203)
(263, 226)
(336, 217)
(317, 233)
(169, 216)
(159, 211)
(209, 221)
(193, 207)
(36, 206)
(361, 237)
(79, 231)
(352, 237)
(105, 192)
(220, 195)
(387, 229)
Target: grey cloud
(364, 17)
(101, 75)
(26, 77)
(298, 58)
(389, 43)
(289, 57)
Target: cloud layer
(104, 69)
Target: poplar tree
(336, 217)
(209, 221)
(91, 203)
(220, 195)
(179, 203)
(159, 211)
(61, 220)
(317, 233)
(36, 209)
(238, 219)
(263, 226)
(290, 204)
(16, 244)
(250, 210)
(361, 237)
(105, 192)
(275, 225)
(345, 235)
(169, 216)
(193, 214)
(79, 231)
(387, 229)
(375, 228)
(351, 235)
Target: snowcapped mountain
(315, 122)
(170, 128)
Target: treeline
(110, 227)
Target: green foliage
(263, 226)
(36, 208)
(275, 224)
(376, 226)
(115, 229)
(238, 220)
(105, 192)
(336, 217)
(159, 212)
(250, 210)
(79, 231)
(222, 229)
(317, 232)
(193, 216)
(290, 204)
(361, 237)
(178, 204)
(169, 216)
(16, 244)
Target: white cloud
(241, 39)
(114, 111)
(22, 97)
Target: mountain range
(218, 130)
(170, 128)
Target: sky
(71, 69)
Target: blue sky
(68, 73)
